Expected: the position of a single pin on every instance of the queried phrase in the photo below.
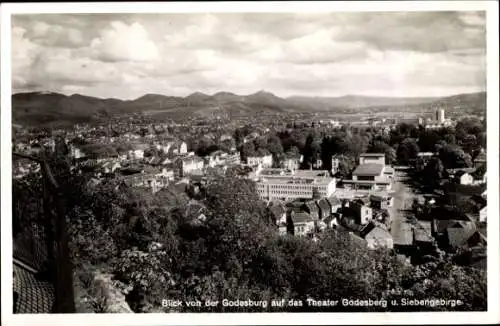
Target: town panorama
(224, 163)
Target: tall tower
(441, 115)
(335, 164)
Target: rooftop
(423, 231)
(378, 233)
(311, 205)
(369, 169)
(458, 236)
(270, 172)
(372, 155)
(323, 204)
(280, 176)
(381, 182)
(302, 217)
(404, 236)
(333, 200)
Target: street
(403, 199)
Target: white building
(136, 154)
(440, 116)
(286, 185)
(374, 158)
(173, 147)
(371, 174)
(439, 121)
(483, 214)
(292, 162)
(76, 152)
(219, 158)
(266, 161)
(464, 178)
(189, 165)
(146, 180)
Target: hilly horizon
(43, 107)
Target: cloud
(473, 18)
(417, 31)
(122, 42)
(324, 54)
(54, 35)
(315, 48)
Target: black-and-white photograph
(250, 162)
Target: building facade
(265, 161)
(278, 184)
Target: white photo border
(491, 316)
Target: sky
(311, 54)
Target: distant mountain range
(47, 107)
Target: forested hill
(49, 108)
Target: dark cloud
(308, 53)
(415, 31)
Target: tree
(427, 140)
(247, 150)
(402, 131)
(481, 140)
(433, 172)
(390, 155)
(148, 274)
(346, 166)
(356, 144)
(453, 157)
(377, 146)
(60, 147)
(312, 151)
(293, 151)
(261, 143)
(407, 151)
(276, 149)
(146, 242)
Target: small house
(464, 178)
(362, 213)
(334, 203)
(483, 214)
(301, 223)
(379, 238)
(378, 202)
(459, 233)
(324, 208)
(331, 221)
(403, 239)
(422, 235)
(312, 209)
(278, 213)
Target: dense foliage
(162, 253)
(158, 247)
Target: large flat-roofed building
(286, 185)
(371, 174)
(375, 158)
(369, 171)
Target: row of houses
(301, 218)
(356, 216)
(154, 173)
(445, 228)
